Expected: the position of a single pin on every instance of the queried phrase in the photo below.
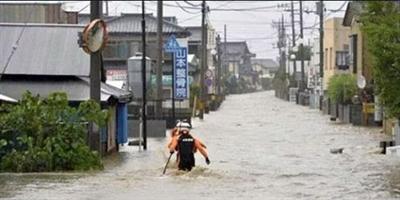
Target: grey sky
(253, 26)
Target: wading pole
(166, 164)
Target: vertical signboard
(181, 73)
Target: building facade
(336, 49)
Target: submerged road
(260, 148)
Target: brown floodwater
(260, 148)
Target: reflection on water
(260, 148)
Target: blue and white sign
(181, 73)
(171, 45)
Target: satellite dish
(361, 82)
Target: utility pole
(203, 58)
(293, 37)
(282, 54)
(107, 13)
(218, 78)
(321, 39)
(225, 53)
(159, 96)
(144, 109)
(301, 49)
(321, 47)
(95, 71)
(283, 41)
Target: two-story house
(360, 64)
(196, 49)
(237, 57)
(336, 49)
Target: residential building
(48, 59)
(265, 67)
(125, 41)
(358, 54)
(196, 49)
(336, 49)
(237, 58)
(361, 66)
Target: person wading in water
(175, 133)
(187, 145)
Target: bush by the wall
(341, 88)
(48, 135)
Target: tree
(381, 27)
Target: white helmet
(183, 125)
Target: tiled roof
(265, 62)
(132, 23)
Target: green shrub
(342, 88)
(48, 135)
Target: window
(326, 59)
(330, 58)
(342, 61)
(353, 52)
(117, 50)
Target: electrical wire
(138, 6)
(82, 9)
(340, 8)
(255, 9)
(185, 10)
(245, 9)
(254, 39)
(194, 5)
(189, 18)
(186, 7)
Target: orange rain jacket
(175, 134)
(198, 145)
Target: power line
(189, 18)
(340, 8)
(138, 6)
(254, 39)
(194, 5)
(185, 10)
(247, 23)
(245, 9)
(82, 9)
(263, 8)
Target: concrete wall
(155, 128)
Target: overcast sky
(254, 26)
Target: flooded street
(260, 147)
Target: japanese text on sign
(181, 74)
